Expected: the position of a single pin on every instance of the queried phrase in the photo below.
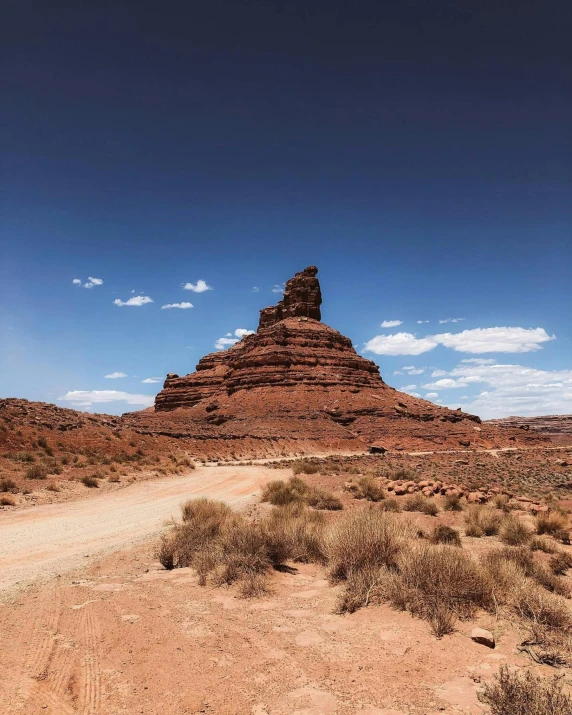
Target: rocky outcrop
(298, 386)
(301, 299)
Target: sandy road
(53, 538)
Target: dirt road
(53, 538)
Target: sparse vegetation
(8, 485)
(552, 523)
(7, 500)
(515, 693)
(482, 521)
(417, 502)
(90, 481)
(514, 531)
(303, 466)
(452, 502)
(367, 488)
(36, 471)
(296, 490)
(443, 534)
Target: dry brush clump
(417, 502)
(367, 488)
(296, 490)
(516, 693)
(443, 534)
(553, 523)
(514, 531)
(482, 521)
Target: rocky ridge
(557, 427)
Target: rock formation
(557, 427)
(297, 385)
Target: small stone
(484, 637)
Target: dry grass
(390, 504)
(303, 466)
(514, 531)
(443, 534)
(297, 491)
(36, 471)
(552, 523)
(367, 488)
(90, 481)
(8, 485)
(452, 502)
(6, 500)
(560, 563)
(541, 543)
(417, 502)
(516, 693)
(482, 521)
(502, 502)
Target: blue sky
(420, 158)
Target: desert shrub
(295, 533)
(502, 502)
(560, 563)
(551, 523)
(279, 492)
(114, 477)
(52, 487)
(323, 499)
(6, 500)
(303, 466)
(524, 560)
(364, 539)
(36, 471)
(517, 693)
(8, 485)
(540, 543)
(42, 442)
(26, 457)
(514, 532)
(390, 504)
(442, 576)
(367, 488)
(443, 534)
(90, 481)
(482, 521)
(417, 502)
(452, 502)
(295, 490)
(65, 459)
(208, 512)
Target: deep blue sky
(418, 152)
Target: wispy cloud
(391, 323)
(115, 375)
(90, 283)
(199, 287)
(136, 301)
(478, 340)
(151, 380)
(228, 339)
(278, 288)
(451, 320)
(422, 321)
(255, 289)
(182, 306)
(431, 395)
(87, 398)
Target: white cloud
(495, 340)
(438, 373)
(199, 287)
(278, 288)
(407, 388)
(90, 283)
(478, 340)
(151, 380)
(86, 398)
(255, 289)
(391, 323)
(115, 375)
(451, 320)
(229, 340)
(516, 390)
(419, 322)
(479, 361)
(416, 371)
(445, 383)
(399, 344)
(182, 306)
(224, 343)
(430, 395)
(137, 300)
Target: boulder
(484, 637)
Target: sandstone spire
(302, 298)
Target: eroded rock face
(302, 298)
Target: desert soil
(115, 634)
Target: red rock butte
(298, 386)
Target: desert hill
(557, 427)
